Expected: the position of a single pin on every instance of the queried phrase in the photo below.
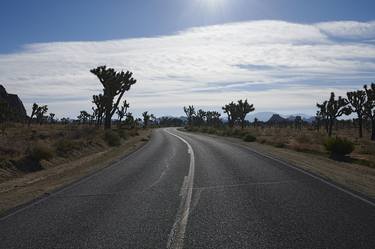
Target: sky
(282, 55)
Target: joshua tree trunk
(330, 127)
(360, 126)
(107, 120)
(373, 129)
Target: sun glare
(211, 4)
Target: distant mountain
(306, 118)
(277, 119)
(261, 116)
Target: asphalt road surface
(185, 190)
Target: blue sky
(201, 52)
(31, 21)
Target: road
(185, 190)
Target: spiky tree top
(115, 84)
(243, 108)
(231, 110)
(369, 106)
(190, 112)
(357, 100)
(322, 112)
(337, 107)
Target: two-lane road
(186, 190)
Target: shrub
(122, 133)
(39, 152)
(249, 138)
(112, 138)
(65, 146)
(211, 130)
(339, 146)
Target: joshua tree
(83, 117)
(51, 118)
(232, 113)
(357, 100)
(190, 113)
(115, 85)
(146, 119)
(256, 121)
(369, 107)
(298, 122)
(129, 120)
(41, 110)
(98, 100)
(201, 116)
(213, 118)
(121, 112)
(336, 108)
(243, 108)
(33, 112)
(322, 115)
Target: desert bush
(211, 130)
(39, 152)
(303, 139)
(122, 133)
(112, 138)
(237, 133)
(249, 138)
(65, 146)
(133, 132)
(338, 146)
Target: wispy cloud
(277, 65)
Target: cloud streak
(277, 65)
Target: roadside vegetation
(350, 140)
(41, 140)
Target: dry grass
(304, 140)
(28, 149)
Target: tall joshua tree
(369, 107)
(190, 113)
(357, 101)
(232, 113)
(336, 108)
(115, 85)
(243, 108)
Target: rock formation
(14, 104)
